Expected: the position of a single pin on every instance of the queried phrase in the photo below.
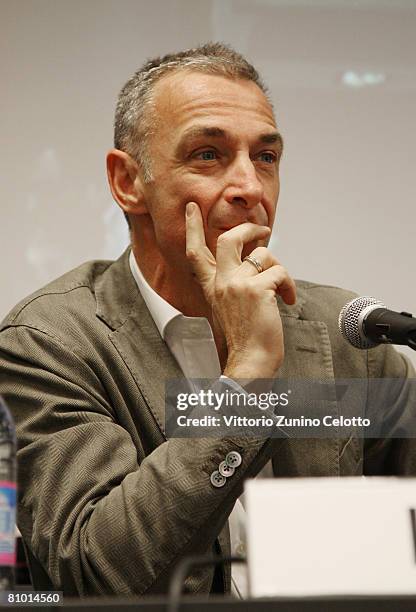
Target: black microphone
(365, 322)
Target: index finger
(197, 252)
(195, 235)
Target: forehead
(185, 97)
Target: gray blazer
(107, 505)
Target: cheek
(167, 219)
(170, 226)
(271, 212)
(271, 206)
(168, 203)
(202, 188)
(205, 191)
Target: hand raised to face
(243, 300)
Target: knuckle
(191, 255)
(279, 271)
(251, 291)
(219, 289)
(265, 256)
(271, 295)
(225, 240)
(234, 287)
(262, 251)
(218, 295)
(222, 239)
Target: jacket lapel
(135, 336)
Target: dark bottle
(7, 499)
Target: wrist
(256, 364)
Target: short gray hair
(134, 121)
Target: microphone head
(351, 317)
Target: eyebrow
(216, 132)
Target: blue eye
(269, 158)
(207, 155)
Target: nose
(244, 187)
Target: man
(107, 504)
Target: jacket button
(233, 459)
(225, 470)
(217, 479)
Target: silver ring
(255, 263)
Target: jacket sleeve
(395, 452)
(98, 520)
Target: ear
(126, 182)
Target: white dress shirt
(191, 342)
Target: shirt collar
(162, 312)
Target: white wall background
(343, 78)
